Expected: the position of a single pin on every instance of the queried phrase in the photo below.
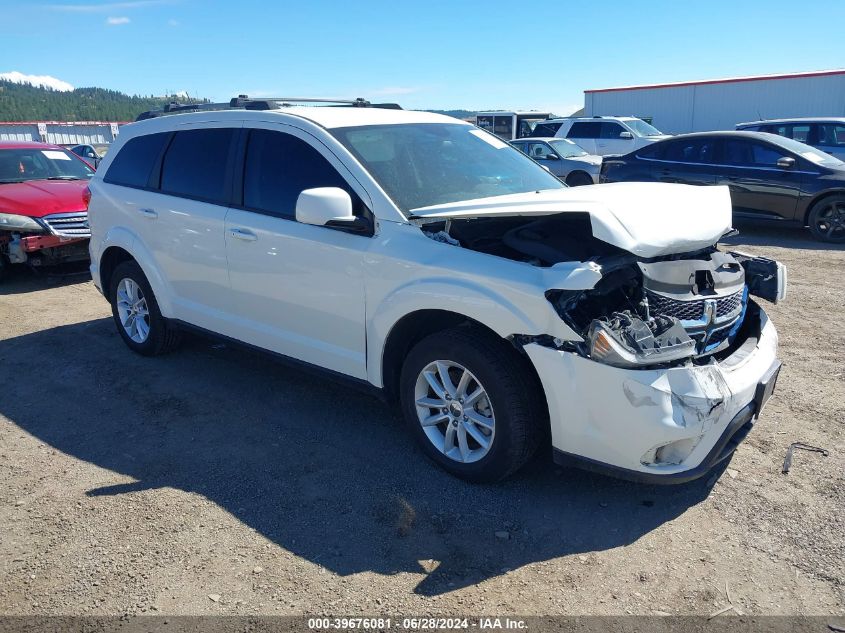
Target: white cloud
(37, 80)
(117, 21)
(106, 7)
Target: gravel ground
(219, 481)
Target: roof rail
(263, 103)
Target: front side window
(279, 167)
(582, 129)
(611, 130)
(744, 153)
(195, 165)
(539, 151)
(21, 165)
(831, 134)
(425, 164)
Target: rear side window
(135, 161)
(584, 130)
(196, 164)
(696, 150)
(655, 150)
(279, 167)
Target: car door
(685, 160)
(172, 195)
(759, 187)
(297, 289)
(585, 133)
(611, 140)
(546, 156)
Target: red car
(43, 205)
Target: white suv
(605, 135)
(431, 261)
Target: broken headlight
(625, 340)
(14, 222)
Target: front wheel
(827, 219)
(472, 403)
(578, 179)
(136, 315)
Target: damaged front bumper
(657, 425)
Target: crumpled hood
(644, 218)
(37, 198)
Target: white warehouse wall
(721, 105)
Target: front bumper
(657, 425)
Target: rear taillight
(86, 196)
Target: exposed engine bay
(643, 312)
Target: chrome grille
(692, 310)
(69, 224)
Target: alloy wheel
(132, 310)
(454, 411)
(830, 222)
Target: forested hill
(23, 102)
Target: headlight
(624, 340)
(12, 222)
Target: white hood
(644, 218)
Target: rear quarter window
(135, 160)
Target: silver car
(824, 133)
(564, 158)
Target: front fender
(122, 237)
(504, 315)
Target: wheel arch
(577, 173)
(827, 193)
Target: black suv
(770, 177)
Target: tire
(161, 335)
(578, 179)
(513, 402)
(827, 219)
(4, 267)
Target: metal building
(696, 106)
(59, 132)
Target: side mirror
(329, 206)
(786, 162)
(551, 157)
(626, 135)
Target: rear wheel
(578, 179)
(827, 219)
(136, 315)
(472, 403)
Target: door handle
(148, 213)
(243, 234)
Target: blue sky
(432, 54)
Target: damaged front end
(667, 311)
(54, 239)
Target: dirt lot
(216, 480)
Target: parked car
(88, 153)
(510, 125)
(43, 216)
(770, 177)
(604, 135)
(433, 262)
(826, 134)
(564, 158)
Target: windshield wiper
(63, 178)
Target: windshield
(424, 164)
(641, 128)
(567, 148)
(22, 164)
(806, 151)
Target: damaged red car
(43, 205)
